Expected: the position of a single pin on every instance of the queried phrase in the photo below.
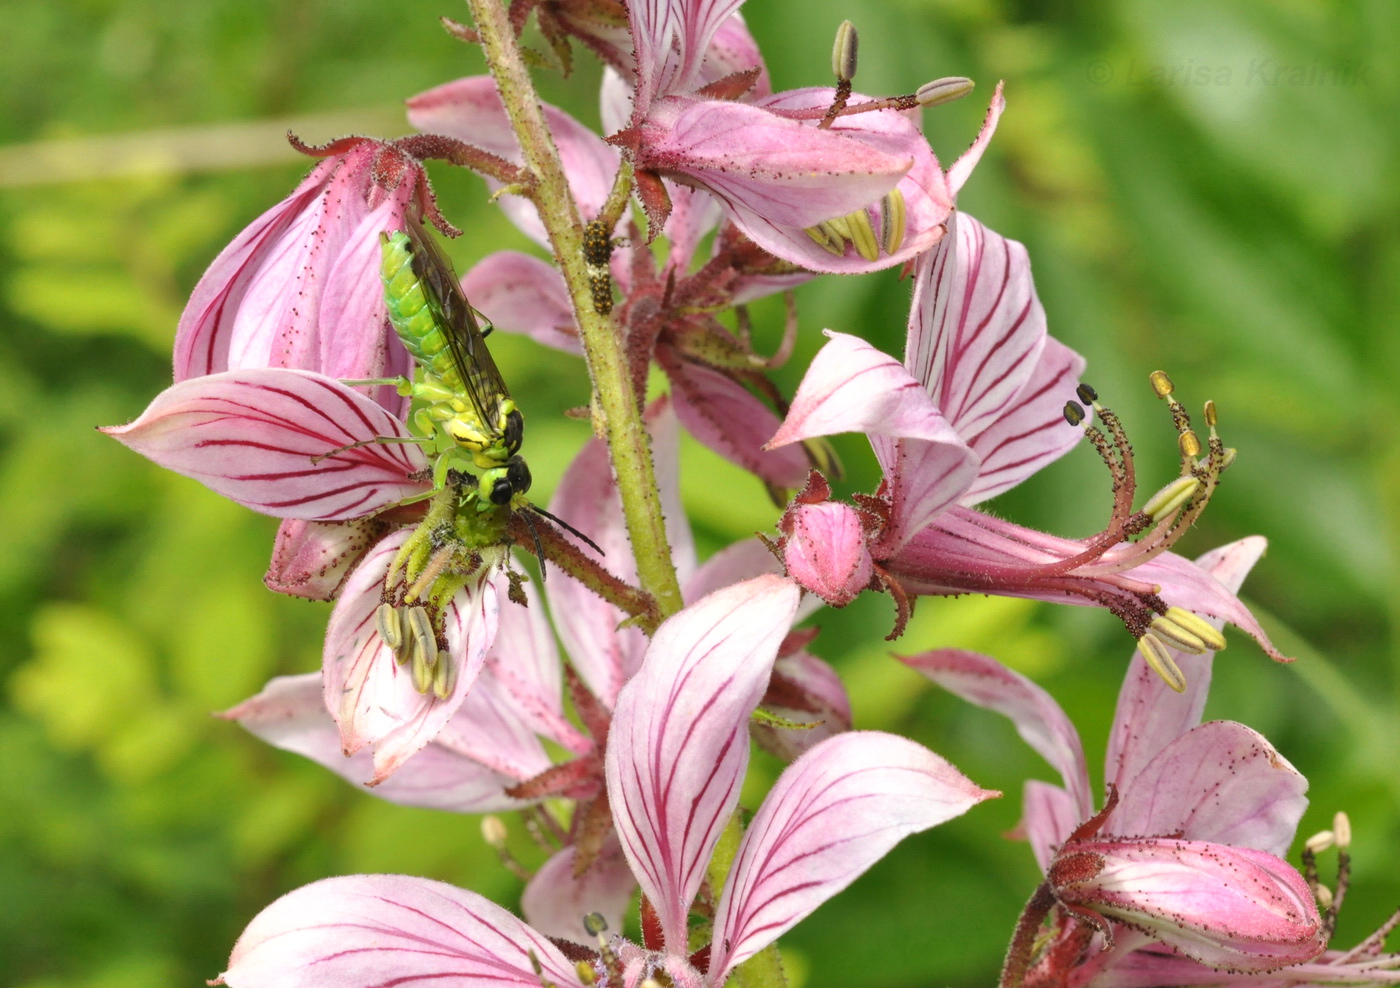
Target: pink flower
(299, 287)
(280, 441)
(676, 757)
(1187, 851)
(978, 406)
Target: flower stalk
(627, 439)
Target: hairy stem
(628, 442)
(1018, 955)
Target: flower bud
(825, 551)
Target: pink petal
(1219, 782)
(961, 170)
(491, 728)
(290, 713)
(556, 900)
(694, 213)
(604, 654)
(729, 419)
(678, 745)
(733, 49)
(976, 341)
(1039, 720)
(522, 294)
(740, 561)
(825, 551)
(250, 435)
(1150, 715)
(1048, 817)
(470, 110)
(671, 38)
(1034, 433)
(1227, 907)
(368, 693)
(311, 559)
(369, 931)
(927, 201)
(780, 171)
(831, 815)
(806, 690)
(202, 339)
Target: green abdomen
(409, 311)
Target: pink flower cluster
(280, 403)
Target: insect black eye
(502, 491)
(518, 474)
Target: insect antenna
(568, 528)
(539, 549)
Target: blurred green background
(1205, 187)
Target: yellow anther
(843, 52)
(444, 675)
(494, 832)
(837, 225)
(1189, 444)
(585, 972)
(420, 670)
(1161, 383)
(1320, 841)
(863, 235)
(1198, 626)
(1341, 826)
(1324, 897)
(386, 616)
(420, 626)
(1161, 661)
(818, 236)
(893, 219)
(1210, 413)
(943, 90)
(1176, 636)
(1171, 497)
(836, 240)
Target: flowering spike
(1160, 659)
(945, 90)
(843, 52)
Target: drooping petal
(807, 691)
(1048, 817)
(1150, 715)
(290, 713)
(1039, 720)
(831, 815)
(556, 900)
(825, 550)
(1034, 433)
(726, 417)
(777, 171)
(927, 200)
(470, 110)
(604, 654)
(678, 745)
(251, 435)
(368, 693)
(1219, 782)
(311, 559)
(368, 931)
(1227, 907)
(202, 338)
(523, 294)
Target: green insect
(461, 389)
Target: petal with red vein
(556, 900)
(311, 559)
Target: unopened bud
(893, 221)
(1189, 444)
(863, 235)
(1086, 393)
(1160, 659)
(1198, 626)
(1324, 897)
(1171, 497)
(1210, 413)
(386, 616)
(1320, 841)
(595, 924)
(494, 832)
(444, 675)
(1176, 636)
(1161, 383)
(1074, 412)
(843, 52)
(1341, 826)
(943, 90)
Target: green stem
(1018, 955)
(628, 442)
